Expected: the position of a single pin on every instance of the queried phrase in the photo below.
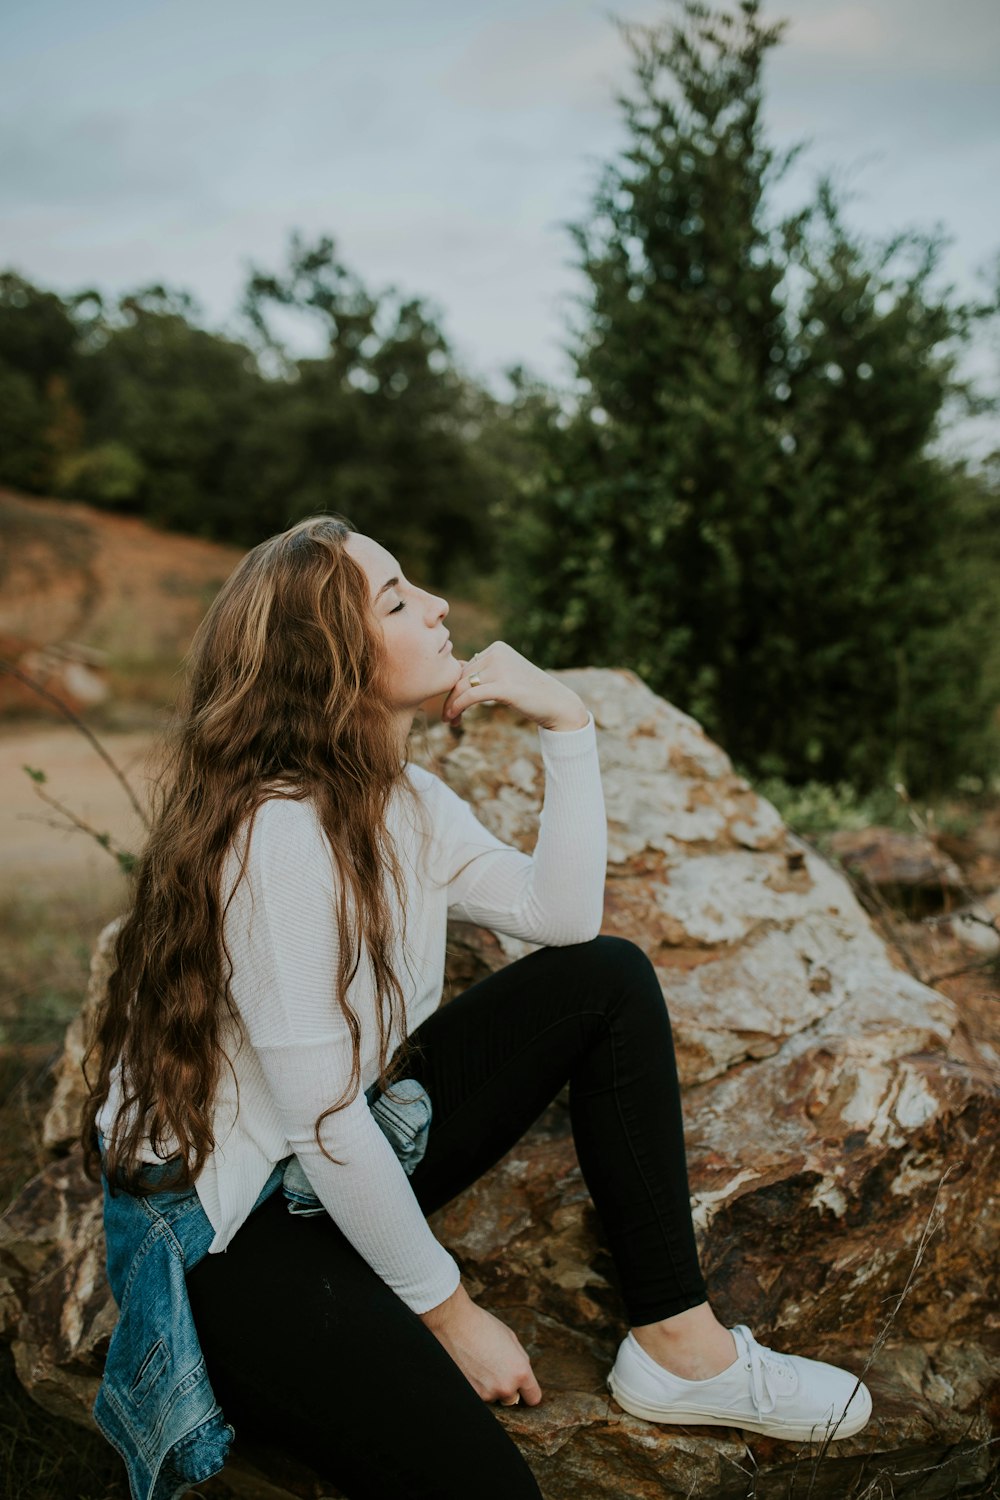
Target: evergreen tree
(743, 507)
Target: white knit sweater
(290, 1047)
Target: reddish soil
(71, 572)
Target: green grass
(816, 809)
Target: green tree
(133, 403)
(381, 425)
(37, 357)
(166, 403)
(743, 505)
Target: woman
(274, 1011)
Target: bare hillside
(71, 572)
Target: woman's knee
(630, 981)
(622, 957)
(622, 970)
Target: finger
(449, 696)
(466, 698)
(531, 1391)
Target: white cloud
(841, 32)
(961, 39)
(567, 56)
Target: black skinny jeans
(306, 1346)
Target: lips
(446, 644)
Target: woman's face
(418, 651)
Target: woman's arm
(487, 1352)
(555, 895)
(281, 930)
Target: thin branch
(36, 687)
(971, 968)
(888, 927)
(952, 1458)
(938, 919)
(77, 825)
(885, 915)
(926, 1234)
(925, 827)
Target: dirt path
(35, 855)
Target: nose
(437, 608)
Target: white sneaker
(782, 1395)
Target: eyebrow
(389, 583)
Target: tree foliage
(745, 507)
(136, 405)
(37, 354)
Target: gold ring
(475, 680)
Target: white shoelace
(771, 1374)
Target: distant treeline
(743, 501)
(135, 404)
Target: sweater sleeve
(554, 895)
(285, 947)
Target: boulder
(897, 862)
(841, 1119)
(977, 925)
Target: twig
(885, 915)
(953, 1457)
(974, 967)
(123, 856)
(875, 895)
(878, 900)
(929, 1229)
(936, 919)
(36, 687)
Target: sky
(445, 145)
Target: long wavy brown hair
(285, 678)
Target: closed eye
(399, 606)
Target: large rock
(841, 1120)
(896, 861)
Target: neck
(404, 721)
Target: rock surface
(842, 1126)
(977, 925)
(895, 861)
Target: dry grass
(45, 949)
(43, 1459)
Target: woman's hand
(486, 1351)
(505, 676)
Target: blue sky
(444, 144)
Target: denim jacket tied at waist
(155, 1404)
